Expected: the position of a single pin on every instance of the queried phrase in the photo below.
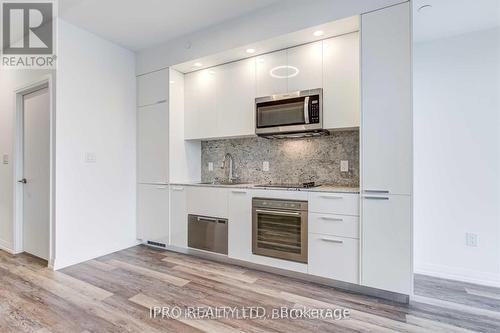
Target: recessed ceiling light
(318, 33)
(250, 50)
(424, 8)
(197, 64)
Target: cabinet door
(341, 96)
(200, 120)
(152, 87)
(178, 216)
(240, 224)
(207, 201)
(387, 114)
(272, 74)
(152, 213)
(386, 237)
(305, 66)
(334, 257)
(235, 91)
(152, 143)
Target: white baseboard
(459, 274)
(6, 247)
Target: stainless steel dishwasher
(207, 233)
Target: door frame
(47, 81)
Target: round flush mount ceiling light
(197, 64)
(424, 8)
(318, 33)
(284, 72)
(250, 51)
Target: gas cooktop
(289, 185)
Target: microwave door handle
(306, 110)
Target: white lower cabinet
(178, 216)
(152, 213)
(334, 203)
(334, 257)
(207, 201)
(337, 225)
(240, 224)
(386, 235)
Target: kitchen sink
(223, 183)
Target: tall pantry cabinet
(152, 157)
(386, 159)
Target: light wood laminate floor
(114, 294)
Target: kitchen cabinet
(341, 88)
(306, 61)
(152, 88)
(335, 225)
(200, 120)
(386, 236)
(387, 150)
(207, 201)
(334, 203)
(153, 213)
(271, 74)
(178, 216)
(387, 103)
(152, 143)
(235, 98)
(240, 224)
(334, 257)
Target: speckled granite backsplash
(290, 160)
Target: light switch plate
(5, 159)
(90, 157)
(344, 166)
(265, 166)
(210, 166)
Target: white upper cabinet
(152, 143)
(199, 107)
(341, 96)
(387, 104)
(304, 67)
(152, 88)
(272, 73)
(235, 98)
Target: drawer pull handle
(337, 241)
(376, 198)
(176, 188)
(377, 191)
(335, 219)
(331, 197)
(275, 212)
(161, 187)
(239, 192)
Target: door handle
(274, 212)
(22, 181)
(306, 110)
(206, 219)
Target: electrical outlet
(5, 159)
(210, 166)
(265, 166)
(90, 158)
(471, 239)
(344, 166)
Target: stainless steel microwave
(297, 112)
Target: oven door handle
(306, 110)
(277, 212)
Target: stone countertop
(323, 188)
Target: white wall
(10, 80)
(457, 156)
(96, 112)
(266, 23)
(185, 156)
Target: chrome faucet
(230, 177)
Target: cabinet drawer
(207, 201)
(334, 203)
(335, 225)
(334, 257)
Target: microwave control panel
(314, 109)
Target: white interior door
(36, 172)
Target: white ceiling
(448, 18)
(137, 24)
